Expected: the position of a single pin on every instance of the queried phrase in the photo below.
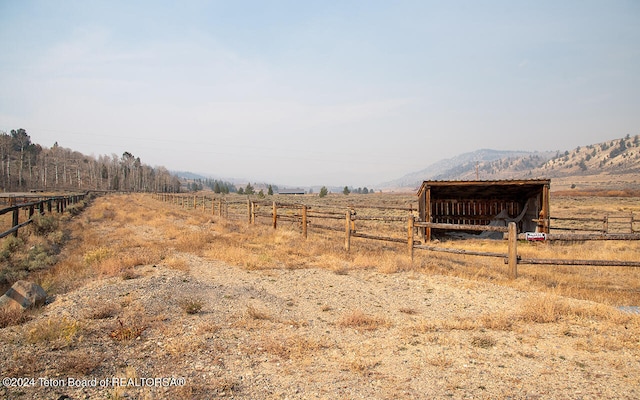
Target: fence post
(605, 224)
(513, 250)
(16, 219)
(304, 221)
(347, 232)
(410, 236)
(275, 215)
(204, 203)
(353, 221)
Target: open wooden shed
(525, 202)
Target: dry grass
(290, 347)
(177, 263)
(191, 305)
(361, 365)
(80, 363)
(497, 321)
(102, 310)
(441, 360)
(128, 328)
(10, 317)
(449, 324)
(544, 309)
(358, 320)
(253, 313)
(179, 231)
(483, 341)
(56, 332)
(162, 233)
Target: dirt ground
(313, 333)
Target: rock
(23, 295)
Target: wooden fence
(511, 256)
(609, 224)
(399, 225)
(42, 205)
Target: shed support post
(427, 216)
(513, 250)
(546, 208)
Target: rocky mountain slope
(619, 157)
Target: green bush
(10, 245)
(44, 224)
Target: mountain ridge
(612, 157)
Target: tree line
(28, 166)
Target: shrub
(76, 209)
(191, 306)
(44, 224)
(59, 331)
(483, 341)
(127, 330)
(96, 256)
(12, 317)
(10, 245)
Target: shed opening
(498, 202)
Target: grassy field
(259, 246)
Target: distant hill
(458, 167)
(590, 163)
(189, 175)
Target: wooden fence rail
(609, 223)
(308, 216)
(61, 202)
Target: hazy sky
(318, 92)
